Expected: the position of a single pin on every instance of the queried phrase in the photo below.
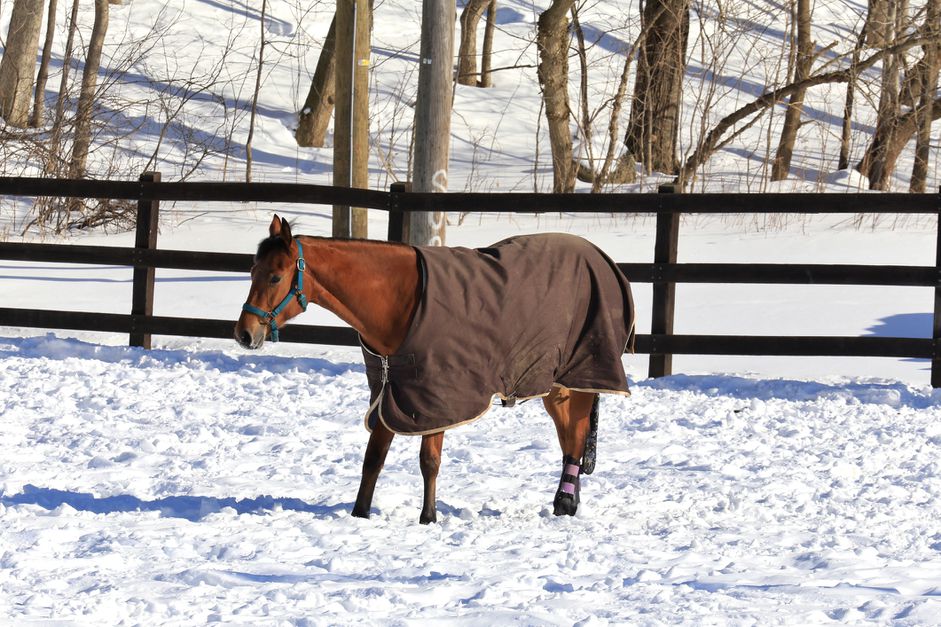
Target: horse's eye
(275, 279)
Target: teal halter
(297, 291)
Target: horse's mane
(271, 244)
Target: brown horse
(377, 288)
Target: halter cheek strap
(297, 291)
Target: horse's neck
(371, 286)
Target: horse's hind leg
(373, 461)
(430, 461)
(571, 412)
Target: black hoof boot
(566, 497)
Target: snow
(200, 483)
(185, 486)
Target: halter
(297, 291)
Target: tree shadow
(192, 508)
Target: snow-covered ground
(199, 483)
(201, 486)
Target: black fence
(664, 273)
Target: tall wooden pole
(433, 116)
(351, 127)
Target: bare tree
(880, 157)
(467, 52)
(928, 73)
(35, 119)
(86, 98)
(792, 117)
(53, 165)
(879, 23)
(847, 127)
(655, 113)
(552, 41)
(17, 67)
(720, 133)
(314, 117)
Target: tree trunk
(879, 160)
(929, 84)
(552, 43)
(39, 96)
(905, 128)
(486, 58)
(86, 98)
(847, 128)
(314, 118)
(433, 117)
(879, 23)
(467, 53)
(351, 127)
(653, 128)
(18, 64)
(792, 117)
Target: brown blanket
(509, 320)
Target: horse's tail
(591, 442)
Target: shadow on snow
(192, 508)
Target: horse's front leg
(430, 461)
(373, 461)
(571, 413)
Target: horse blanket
(510, 320)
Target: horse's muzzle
(250, 340)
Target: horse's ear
(286, 232)
(274, 229)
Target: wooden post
(936, 326)
(351, 115)
(398, 219)
(664, 292)
(433, 116)
(142, 296)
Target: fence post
(936, 326)
(142, 298)
(398, 219)
(664, 292)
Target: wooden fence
(664, 273)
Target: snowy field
(198, 483)
(202, 486)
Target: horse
(444, 332)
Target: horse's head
(277, 291)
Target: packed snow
(197, 483)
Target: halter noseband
(297, 291)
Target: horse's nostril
(246, 338)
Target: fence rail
(664, 273)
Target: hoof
(427, 519)
(564, 505)
(359, 513)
